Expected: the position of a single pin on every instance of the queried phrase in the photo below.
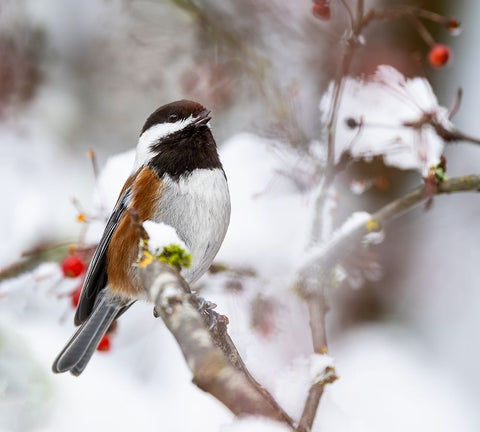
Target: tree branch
(313, 276)
(211, 356)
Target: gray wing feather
(96, 277)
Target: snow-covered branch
(348, 237)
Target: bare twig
(453, 109)
(211, 356)
(33, 258)
(347, 56)
(93, 159)
(452, 135)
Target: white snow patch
(389, 381)
(270, 218)
(355, 221)
(107, 190)
(318, 365)
(383, 103)
(112, 177)
(162, 235)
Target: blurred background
(85, 75)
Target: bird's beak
(203, 118)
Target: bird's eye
(172, 117)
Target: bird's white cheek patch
(151, 136)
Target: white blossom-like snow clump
(380, 108)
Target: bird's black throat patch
(184, 151)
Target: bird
(177, 179)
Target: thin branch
(316, 301)
(317, 310)
(349, 12)
(211, 356)
(338, 83)
(455, 106)
(452, 135)
(313, 399)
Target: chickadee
(177, 179)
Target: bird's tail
(80, 348)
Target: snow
(387, 368)
(162, 235)
(318, 365)
(352, 223)
(383, 103)
(265, 204)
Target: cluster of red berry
(73, 266)
(439, 54)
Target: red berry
(72, 266)
(439, 55)
(75, 296)
(104, 344)
(321, 11)
(453, 26)
(381, 183)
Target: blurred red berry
(439, 55)
(321, 9)
(75, 296)
(104, 344)
(453, 25)
(381, 183)
(72, 266)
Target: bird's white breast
(197, 205)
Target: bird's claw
(206, 307)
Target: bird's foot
(206, 309)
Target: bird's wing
(96, 277)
